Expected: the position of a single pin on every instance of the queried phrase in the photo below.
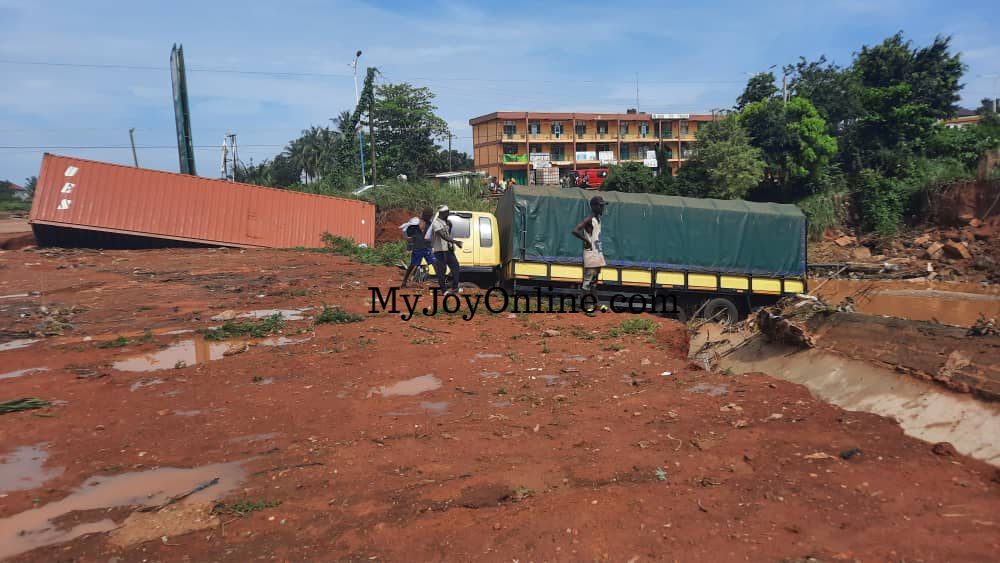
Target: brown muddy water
(924, 410)
(194, 351)
(958, 304)
(35, 528)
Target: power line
(477, 79)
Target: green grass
(582, 333)
(246, 507)
(119, 342)
(388, 254)
(15, 206)
(23, 404)
(337, 316)
(633, 326)
(256, 329)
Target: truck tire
(722, 310)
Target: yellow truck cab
(479, 257)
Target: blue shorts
(418, 254)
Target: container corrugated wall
(79, 193)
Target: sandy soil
(433, 439)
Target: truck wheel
(721, 310)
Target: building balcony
(558, 138)
(515, 159)
(513, 137)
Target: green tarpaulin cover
(656, 231)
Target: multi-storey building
(504, 141)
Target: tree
(454, 160)
(795, 142)
(833, 90)
(932, 72)
(760, 87)
(725, 165)
(405, 129)
(29, 184)
(629, 177)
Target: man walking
(589, 231)
(420, 247)
(444, 250)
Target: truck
(717, 259)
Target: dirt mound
(15, 241)
(544, 437)
(387, 225)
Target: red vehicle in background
(588, 178)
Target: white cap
(442, 208)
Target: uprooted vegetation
(336, 315)
(633, 326)
(256, 329)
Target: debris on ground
(786, 321)
(23, 404)
(984, 327)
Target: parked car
(590, 178)
(365, 188)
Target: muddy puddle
(193, 351)
(425, 407)
(34, 528)
(924, 410)
(286, 314)
(17, 344)
(957, 304)
(23, 469)
(21, 372)
(407, 387)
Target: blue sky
(478, 57)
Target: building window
(557, 152)
(602, 127)
(684, 127)
(603, 147)
(581, 147)
(557, 129)
(644, 130)
(534, 128)
(509, 128)
(668, 153)
(624, 153)
(581, 128)
(667, 130)
(509, 149)
(623, 129)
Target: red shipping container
(84, 194)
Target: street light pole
(357, 102)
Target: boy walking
(589, 231)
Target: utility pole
(637, 92)
(371, 129)
(784, 87)
(357, 102)
(232, 144)
(450, 167)
(135, 159)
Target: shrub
(823, 211)
(388, 254)
(336, 315)
(629, 177)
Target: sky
(292, 62)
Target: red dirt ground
(566, 447)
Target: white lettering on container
(64, 204)
(71, 171)
(68, 188)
